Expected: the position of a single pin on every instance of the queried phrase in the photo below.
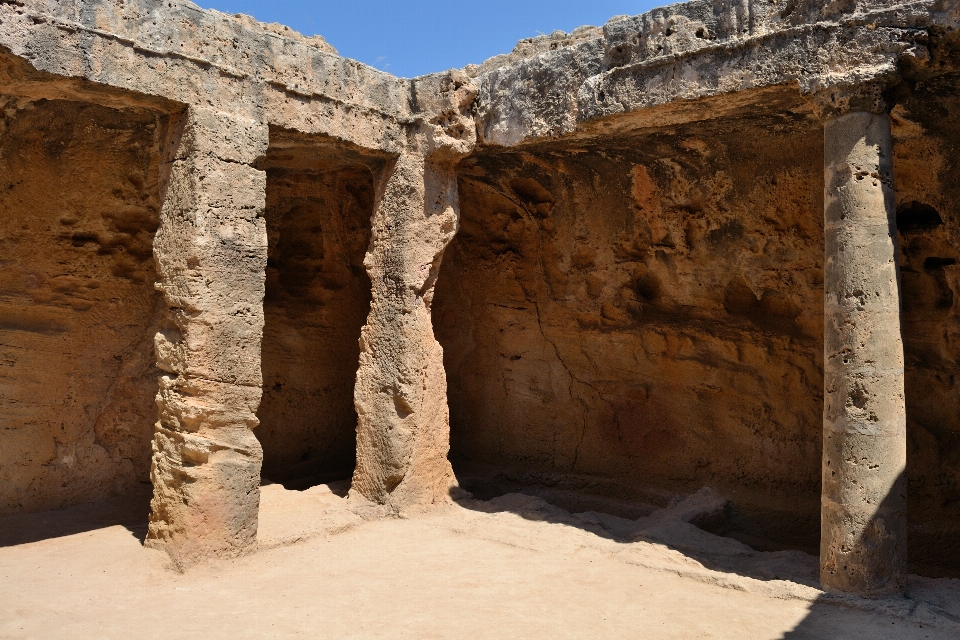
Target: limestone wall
(647, 308)
(925, 130)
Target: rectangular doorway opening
(320, 199)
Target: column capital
(833, 102)
(444, 129)
(225, 136)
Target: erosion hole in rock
(916, 216)
(320, 199)
(635, 314)
(79, 206)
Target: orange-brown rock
(594, 268)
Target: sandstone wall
(634, 292)
(78, 309)
(646, 308)
(926, 128)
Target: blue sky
(412, 37)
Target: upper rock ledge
(174, 50)
(547, 86)
(529, 47)
(281, 30)
(701, 49)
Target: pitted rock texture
(403, 433)
(633, 293)
(863, 540)
(211, 253)
(925, 129)
(80, 202)
(647, 308)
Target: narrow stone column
(403, 430)
(863, 546)
(211, 251)
(403, 433)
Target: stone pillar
(403, 433)
(403, 430)
(211, 252)
(863, 515)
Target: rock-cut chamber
(79, 205)
(637, 313)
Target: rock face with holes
(863, 518)
(80, 201)
(647, 308)
(595, 263)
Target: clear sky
(413, 37)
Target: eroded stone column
(211, 251)
(863, 514)
(403, 433)
(403, 430)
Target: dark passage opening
(320, 199)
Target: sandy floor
(514, 567)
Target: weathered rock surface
(211, 251)
(403, 430)
(617, 234)
(863, 519)
(647, 308)
(80, 202)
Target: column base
(206, 495)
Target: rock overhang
(683, 53)
(549, 86)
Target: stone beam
(863, 546)
(692, 51)
(173, 50)
(211, 251)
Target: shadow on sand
(130, 511)
(927, 611)
(685, 525)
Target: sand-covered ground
(514, 567)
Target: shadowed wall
(79, 199)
